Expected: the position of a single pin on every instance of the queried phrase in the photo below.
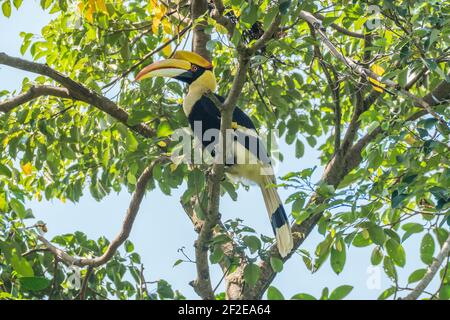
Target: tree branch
(127, 225)
(198, 9)
(431, 272)
(85, 283)
(339, 28)
(33, 93)
(267, 35)
(77, 91)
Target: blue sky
(162, 226)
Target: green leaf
(360, 241)
(328, 20)
(402, 77)
(299, 149)
(4, 171)
(389, 268)
(322, 252)
(131, 178)
(138, 116)
(17, 3)
(397, 198)
(34, 283)
(274, 294)
(377, 234)
(340, 292)
(268, 18)
(338, 257)
(284, 5)
(311, 141)
(164, 129)
(164, 290)
(179, 261)
(129, 246)
(253, 243)
(427, 247)
(18, 208)
(386, 293)
(410, 229)
(21, 266)
(303, 296)
(417, 275)
(131, 142)
(444, 292)
(276, 263)
(396, 252)
(250, 14)
(217, 255)
(377, 256)
(6, 8)
(251, 273)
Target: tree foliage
(386, 156)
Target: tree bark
(200, 38)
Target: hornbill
(249, 162)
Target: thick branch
(431, 272)
(33, 93)
(198, 10)
(127, 225)
(77, 91)
(267, 35)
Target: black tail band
(279, 218)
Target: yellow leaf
(27, 168)
(167, 27)
(155, 24)
(162, 144)
(221, 29)
(410, 139)
(87, 10)
(101, 6)
(3, 204)
(91, 7)
(379, 71)
(38, 196)
(158, 10)
(167, 51)
(89, 13)
(339, 246)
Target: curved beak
(165, 68)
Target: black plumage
(205, 112)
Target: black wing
(205, 111)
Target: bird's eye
(194, 68)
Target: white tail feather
(273, 203)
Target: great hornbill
(248, 162)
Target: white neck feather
(193, 95)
